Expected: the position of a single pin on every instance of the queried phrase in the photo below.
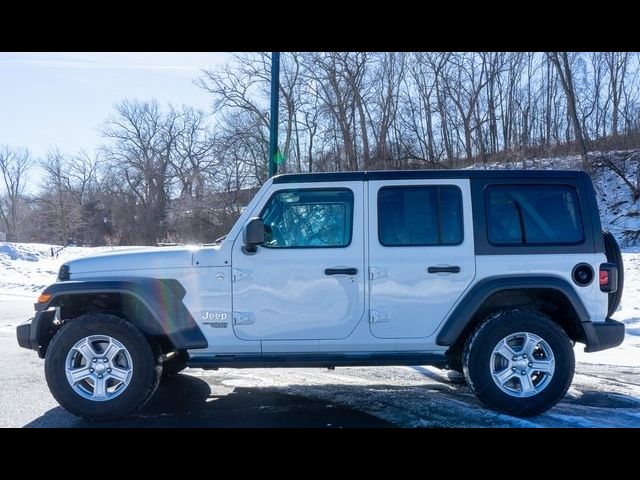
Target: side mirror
(253, 235)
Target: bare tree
(616, 63)
(335, 89)
(466, 77)
(191, 158)
(388, 76)
(417, 117)
(57, 200)
(142, 142)
(561, 62)
(14, 167)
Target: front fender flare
(169, 317)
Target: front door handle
(444, 269)
(340, 271)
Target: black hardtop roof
(423, 174)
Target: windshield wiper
(217, 241)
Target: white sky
(61, 99)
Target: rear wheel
(101, 367)
(519, 362)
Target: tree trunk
(363, 132)
(431, 153)
(468, 145)
(564, 72)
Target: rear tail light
(608, 277)
(604, 278)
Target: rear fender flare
(463, 314)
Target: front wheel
(101, 367)
(519, 362)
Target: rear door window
(411, 216)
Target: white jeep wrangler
(493, 273)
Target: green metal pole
(273, 128)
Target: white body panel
(284, 293)
(156, 258)
(407, 301)
(559, 266)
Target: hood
(136, 259)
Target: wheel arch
(154, 306)
(550, 295)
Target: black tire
(477, 358)
(174, 365)
(144, 380)
(614, 255)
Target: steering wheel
(277, 239)
(327, 234)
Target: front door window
(309, 218)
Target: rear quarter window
(533, 215)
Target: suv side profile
(496, 274)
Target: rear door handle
(444, 269)
(340, 271)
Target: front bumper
(36, 333)
(601, 336)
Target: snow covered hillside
(619, 211)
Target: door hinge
(243, 318)
(240, 274)
(378, 272)
(377, 317)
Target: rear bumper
(601, 336)
(36, 332)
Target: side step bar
(320, 360)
